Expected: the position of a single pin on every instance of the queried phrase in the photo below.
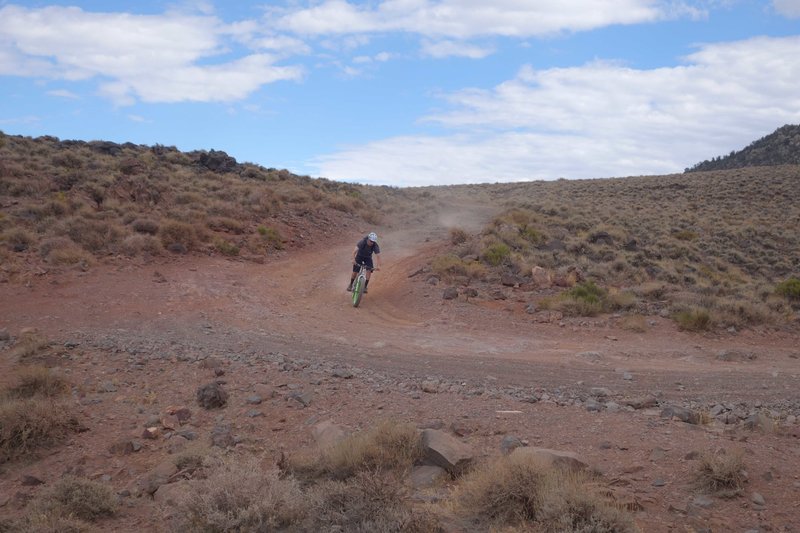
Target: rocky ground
(138, 341)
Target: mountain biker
(362, 254)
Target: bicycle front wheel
(358, 291)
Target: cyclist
(362, 254)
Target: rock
(759, 421)
(124, 447)
(681, 413)
(210, 363)
(173, 493)
(255, 399)
(426, 476)
(430, 386)
(590, 356)
(541, 278)
(642, 402)
(342, 373)
(510, 443)
(565, 460)
(304, 398)
(176, 444)
(735, 355)
(601, 237)
(450, 293)
(212, 396)
(170, 422)
(157, 477)
(183, 414)
(599, 392)
(702, 501)
(222, 436)
(443, 450)
(151, 433)
(432, 280)
(593, 405)
(30, 481)
(328, 434)
(4, 335)
(658, 454)
(509, 280)
(530, 308)
(757, 499)
(107, 386)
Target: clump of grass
(387, 446)
(635, 323)
(79, 498)
(721, 474)
(695, 319)
(447, 266)
(36, 380)
(29, 424)
(789, 289)
(135, 245)
(239, 496)
(521, 491)
(368, 501)
(178, 236)
(584, 299)
(271, 236)
(226, 247)
(145, 225)
(496, 253)
(226, 224)
(458, 236)
(28, 344)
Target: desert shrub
(790, 289)
(271, 236)
(477, 270)
(496, 253)
(584, 299)
(93, 235)
(135, 245)
(240, 496)
(519, 491)
(28, 344)
(178, 236)
(446, 266)
(694, 319)
(458, 236)
(226, 247)
(145, 225)
(226, 224)
(366, 503)
(18, 239)
(28, 424)
(36, 521)
(635, 323)
(385, 447)
(685, 235)
(36, 380)
(63, 251)
(722, 474)
(73, 497)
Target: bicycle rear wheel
(358, 290)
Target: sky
(409, 92)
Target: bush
(226, 224)
(18, 239)
(28, 424)
(239, 496)
(37, 380)
(271, 236)
(135, 245)
(226, 248)
(178, 236)
(29, 344)
(385, 447)
(145, 225)
(584, 299)
(520, 491)
(694, 319)
(63, 251)
(496, 253)
(721, 474)
(446, 266)
(458, 236)
(790, 289)
(79, 498)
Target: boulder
(445, 451)
(160, 475)
(212, 396)
(681, 413)
(450, 293)
(555, 458)
(541, 278)
(327, 434)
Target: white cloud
(445, 48)
(598, 120)
(138, 118)
(787, 8)
(63, 93)
(463, 19)
(155, 58)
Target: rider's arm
(378, 260)
(355, 253)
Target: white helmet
(373, 237)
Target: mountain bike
(359, 283)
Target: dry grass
(28, 344)
(78, 498)
(388, 446)
(29, 424)
(521, 492)
(35, 380)
(239, 496)
(722, 474)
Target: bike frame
(358, 285)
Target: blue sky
(409, 92)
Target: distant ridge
(782, 147)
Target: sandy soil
(138, 331)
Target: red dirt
(288, 322)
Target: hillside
(782, 147)
(178, 352)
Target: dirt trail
(297, 303)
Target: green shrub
(446, 266)
(226, 248)
(178, 236)
(790, 289)
(694, 319)
(496, 253)
(271, 236)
